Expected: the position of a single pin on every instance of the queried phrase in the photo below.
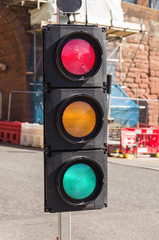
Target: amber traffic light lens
(79, 119)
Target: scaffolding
(25, 3)
(115, 31)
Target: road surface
(132, 213)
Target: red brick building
(141, 74)
(15, 44)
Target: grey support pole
(64, 218)
(109, 83)
(64, 226)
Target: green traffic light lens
(79, 181)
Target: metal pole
(86, 12)
(9, 105)
(109, 83)
(120, 59)
(10, 98)
(38, 4)
(34, 54)
(147, 113)
(64, 218)
(109, 104)
(137, 96)
(64, 226)
(136, 99)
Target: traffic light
(69, 6)
(75, 161)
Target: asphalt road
(132, 213)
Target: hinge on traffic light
(104, 87)
(47, 88)
(105, 148)
(46, 28)
(47, 151)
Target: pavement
(140, 161)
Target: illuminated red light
(78, 56)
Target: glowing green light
(79, 181)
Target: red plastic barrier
(10, 132)
(139, 140)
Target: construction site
(79, 119)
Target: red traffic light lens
(78, 56)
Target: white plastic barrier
(31, 135)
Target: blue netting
(124, 111)
(37, 102)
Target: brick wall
(142, 54)
(15, 45)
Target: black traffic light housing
(56, 198)
(75, 103)
(56, 102)
(55, 38)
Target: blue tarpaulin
(37, 102)
(124, 111)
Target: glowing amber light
(79, 119)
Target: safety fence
(26, 134)
(140, 140)
(132, 113)
(126, 113)
(26, 106)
